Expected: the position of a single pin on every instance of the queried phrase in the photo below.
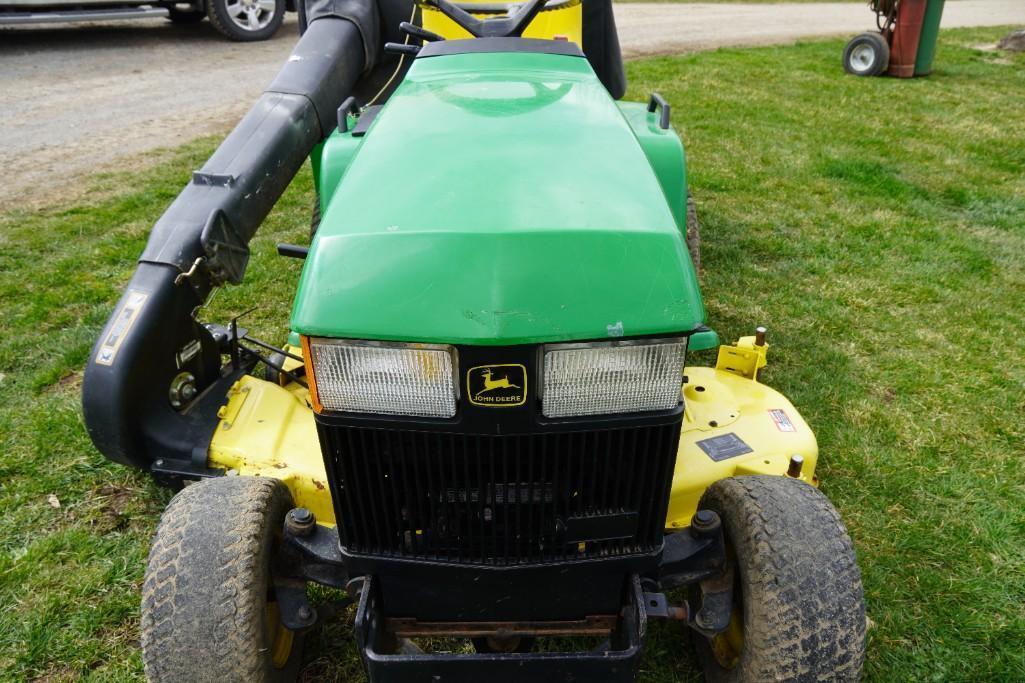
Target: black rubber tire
(800, 590)
(217, 10)
(185, 16)
(315, 216)
(207, 585)
(693, 235)
(878, 49)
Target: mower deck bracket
(174, 469)
(315, 556)
(689, 556)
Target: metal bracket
(296, 612)
(315, 557)
(692, 555)
(186, 274)
(716, 604)
(226, 250)
(657, 607)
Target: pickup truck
(241, 20)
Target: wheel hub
(251, 15)
(862, 58)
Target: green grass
(877, 227)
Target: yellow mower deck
(732, 425)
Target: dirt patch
(71, 381)
(111, 507)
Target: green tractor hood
(498, 198)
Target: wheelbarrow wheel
(208, 607)
(867, 54)
(798, 607)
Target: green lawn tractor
(481, 428)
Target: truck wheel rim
(250, 15)
(862, 58)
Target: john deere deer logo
(496, 386)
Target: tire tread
(204, 594)
(802, 593)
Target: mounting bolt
(705, 523)
(305, 613)
(300, 522)
(182, 390)
(796, 464)
(681, 613)
(760, 336)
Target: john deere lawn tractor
(481, 428)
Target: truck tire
(246, 20)
(867, 54)
(799, 611)
(208, 612)
(693, 235)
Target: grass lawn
(877, 227)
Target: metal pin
(796, 463)
(760, 336)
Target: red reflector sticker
(782, 421)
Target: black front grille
(501, 500)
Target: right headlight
(382, 377)
(612, 377)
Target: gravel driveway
(77, 98)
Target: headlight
(612, 377)
(379, 377)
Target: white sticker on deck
(782, 420)
(724, 447)
(123, 321)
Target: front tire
(799, 611)
(208, 610)
(246, 20)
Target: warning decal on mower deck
(724, 447)
(123, 321)
(782, 420)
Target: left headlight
(612, 377)
(383, 377)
